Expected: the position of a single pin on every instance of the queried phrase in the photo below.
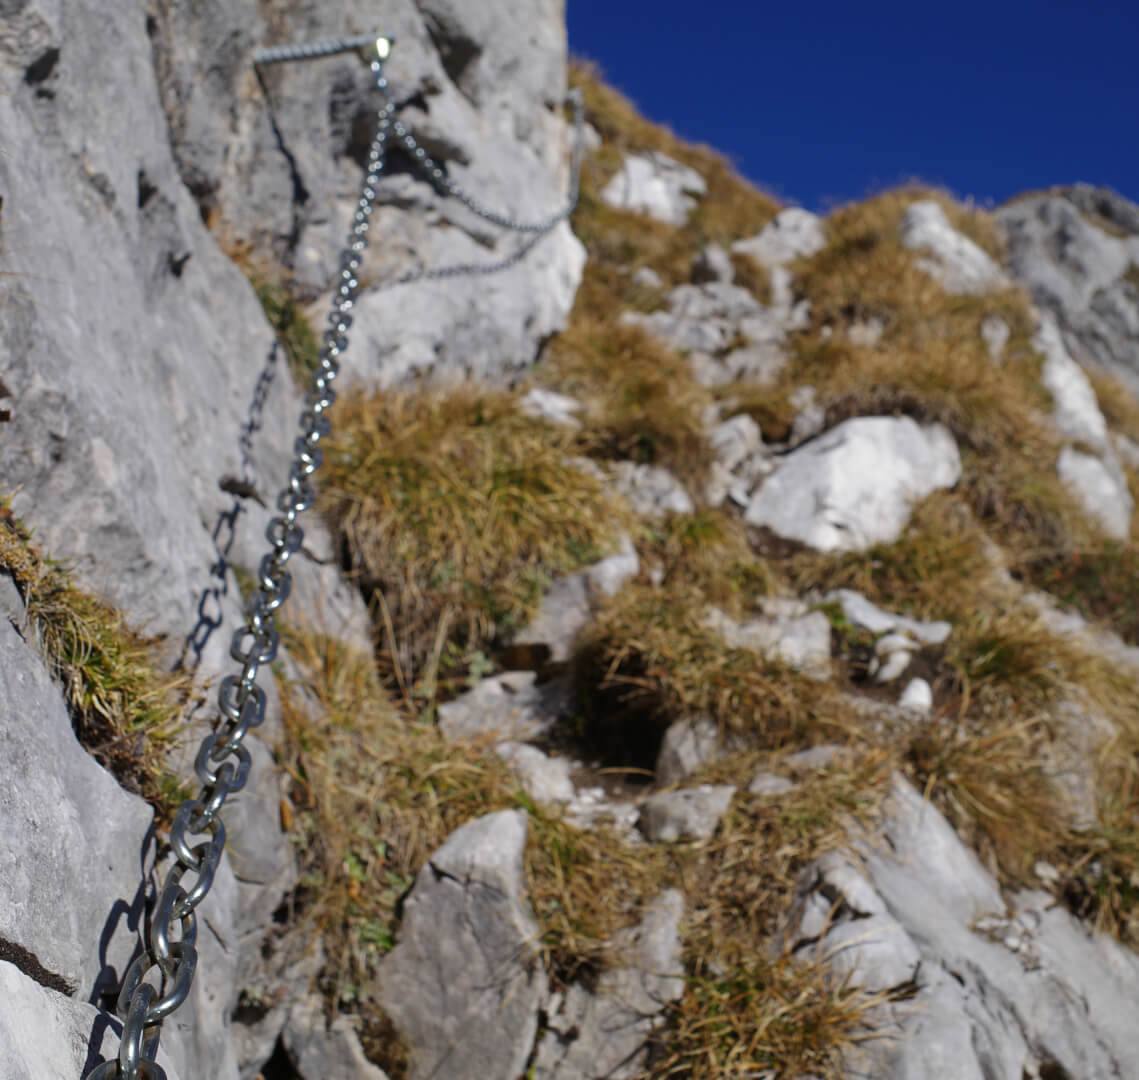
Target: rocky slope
(612, 679)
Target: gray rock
(958, 264)
(1000, 991)
(855, 486)
(893, 665)
(810, 416)
(552, 407)
(288, 186)
(1075, 271)
(591, 808)
(570, 603)
(802, 642)
(709, 318)
(74, 846)
(546, 779)
(685, 747)
(510, 706)
(1076, 412)
(656, 185)
(1100, 488)
(792, 234)
(320, 1051)
(685, 814)
(865, 335)
(45, 1034)
(918, 696)
(1126, 449)
(995, 334)
(862, 613)
(647, 278)
(651, 490)
(467, 1000)
(735, 440)
(606, 1032)
(713, 264)
(813, 758)
(766, 783)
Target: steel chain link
(159, 980)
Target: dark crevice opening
(300, 193)
(41, 68)
(30, 965)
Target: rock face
(656, 185)
(605, 1033)
(1000, 991)
(1077, 270)
(854, 486)
(467, 999)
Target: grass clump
(124, 710)
(294, 330)
(455, 512)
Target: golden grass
(125, 711)
(456, 511)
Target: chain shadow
(210, 609)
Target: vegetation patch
(455, 513)
(124, 710)
(294, 330)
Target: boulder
(955, 261)
(656, 185)
(994, 990)
(606, 1031)
(855, 486)
(466, 999)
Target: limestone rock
(814, 758)
(46, 1034)
(510, 706)
(918, 696)
(1076, 412)
(568, 604)
(957, 263)
(651, 490)
(766, 783)
(546, 779)
(862, 613)
(854, 486)
(792, 234)
(802, 642)
(1076, 271)
(709, 318)
(606, 1032)
(685, 814)
(995, 333)
(685, 747)
(647, 278)
(466, 1000)
(735, 440)
(656, 185)
(326, 1052)
(712, 264)
(1100, 488)
(552, 407)
(68, 825)
(998, 991)
(482, 105)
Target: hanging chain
(158, 981)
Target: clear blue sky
(821, 102)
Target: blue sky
(821, 102)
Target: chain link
(160, 978)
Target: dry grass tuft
(455, 512)
(124, 710)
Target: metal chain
(158, 981)
(223, 760)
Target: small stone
(546, 779)
(554, 408)
(895, 642)
(647, 278)
(918, 696)
(657, 185)
(815, 757)
(507, 706)
(685, 747)
(1101, 489)
(651, 490)
(865, 335)
(685, 814)
(792, 234)
(712, 264)
(893, 666)
(766, 783)
(995, 334)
